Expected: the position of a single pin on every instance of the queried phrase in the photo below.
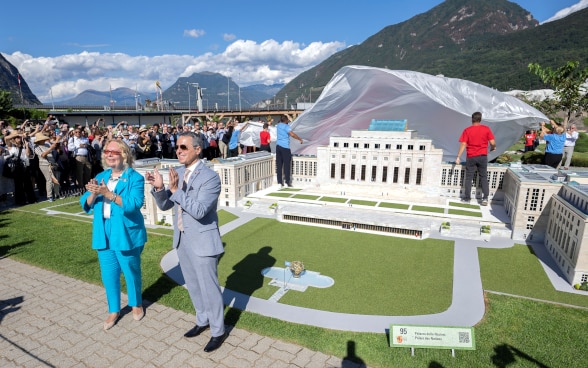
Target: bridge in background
(90, 114)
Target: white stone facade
(566, 237)
(382, 160)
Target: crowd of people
(98, 160)
(58, 159)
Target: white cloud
(569, 10)
(229, 37)
(194, 33)
(246, 62)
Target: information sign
(415, 336)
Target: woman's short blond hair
(127, 157)
(559, 129)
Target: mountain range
(13, 82)
(488, 42)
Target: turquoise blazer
(127, 226)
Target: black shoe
(195, 331)
(215, 343)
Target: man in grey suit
(194, 189)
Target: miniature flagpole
(287, 264)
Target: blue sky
(62, 48)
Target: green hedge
(582, 143)
(532, 157)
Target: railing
(177, 109)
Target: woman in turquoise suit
(115, 197)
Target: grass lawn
(392, 290)
(278, 194)
(453, 211)
(399, 206)
(306, 196)
(516, 271)
(363, 203)
(224, 217)
(70, 207)
(515, 332)
(333, 199)
(428, 209)
(464, 205)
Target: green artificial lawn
(70, 207)
(392, 290)
(399, 206)
(333, 199)
(290, 190)
(515, 332)
(464, 205)
(277, 194)
(428, 209)
(224, 217)
(452, 211)
(306, 196)
(517, 271)
(363, 203)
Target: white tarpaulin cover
(250, 135)
(438, 108)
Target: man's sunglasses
(182, 147)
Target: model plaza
(388, 180)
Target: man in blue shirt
(234, 141)
(283, 153)
(554, 144)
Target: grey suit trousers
(201, 277)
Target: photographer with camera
(78, 148)
(19, 148)
(46, 151)
(98, 141)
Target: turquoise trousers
(112, 263)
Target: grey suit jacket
(199, 204)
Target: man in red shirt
(474, 140)
(264, 139)
(530, 140)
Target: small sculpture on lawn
(297, 268)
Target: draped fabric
(438, 108)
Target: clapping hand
(155, 179)
(174, 179)
(95, 188)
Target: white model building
(542, 204)
(566, 237)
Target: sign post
(432, 337)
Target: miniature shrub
(532, 157)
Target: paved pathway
(50, 320)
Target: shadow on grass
(351, 359)
(505, 355)
(162, 286)
(5, 250)
(245, 279)
(4, 222)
